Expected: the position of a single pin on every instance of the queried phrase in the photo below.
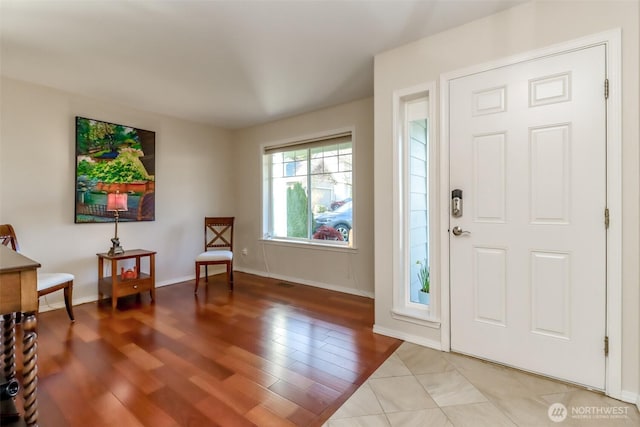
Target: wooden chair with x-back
(218, 247)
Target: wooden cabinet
(19, 294)
(118, 285)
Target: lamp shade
(117, 202)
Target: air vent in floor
(286, 285)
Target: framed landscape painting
(112, 158)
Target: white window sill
(304, 244)
(418, 317)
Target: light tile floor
(418, 386)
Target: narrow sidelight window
(415, 286)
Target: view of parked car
(335, 205)
(340, 219)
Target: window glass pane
(418, 187)
(418, 184)
(289, 156)
(331, 164)
(301, 168)
(290, 169)
(277, 158)
(344, 163)
(418, 203)
(345, 148)
(321, 194)
(342, 184)
(317, 166)
(290, 212)
(317, 151)
(276, 170)
(331, 150)
(332, 204)
(418, 149)
(335, 223)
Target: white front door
(528, 150)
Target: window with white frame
(309, 190)
(415, 159)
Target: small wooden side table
(116, 286)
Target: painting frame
(113, 158)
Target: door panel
(489, 181)
(549, 166)
(528, 149)
(490, 268)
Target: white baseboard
(327, 286)
(630, 397)
(176, 281)
(251, 271)
(415, 339)
(44, 307)
(60, 304)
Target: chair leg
(68, 300)
(230, 278)
(197, 277)
(206, 273)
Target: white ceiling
(231, 64)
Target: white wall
(37, 185)
(530, 26)
(346, 270)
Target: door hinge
(606, 346)
(606, 88)
(606, 217)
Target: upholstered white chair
(47, 282)
(218, 247)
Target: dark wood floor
(268, 354)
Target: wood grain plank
(220, 414)
(236, 400)
(248, 371)
(138, 403)
(263, 417)
(313, 402)
(270, 400)
(142, 378)
(140, 357)
(182, 410)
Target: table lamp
(116, 202)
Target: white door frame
(612, 40)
